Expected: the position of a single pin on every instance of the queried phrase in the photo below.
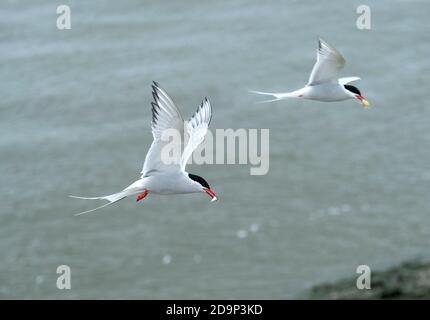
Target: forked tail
(111, 198)
(277, 96)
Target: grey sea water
(346, 186)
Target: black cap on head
(199, 179)
(352, 89)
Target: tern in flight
(324, 84)
(158, 176)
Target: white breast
(171, 184)
(326, 92)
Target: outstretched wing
(343, 81)
(329, 63)
(165, 116)
(196, 127)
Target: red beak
(362, 100)
(211, 193)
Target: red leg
(142, 195)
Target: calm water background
(346, 186)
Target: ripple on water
(167, 259)
(254, 227)
(242, 234)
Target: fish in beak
(211, 193)
(363, 101)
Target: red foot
(142, 195)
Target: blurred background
(346, 186)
